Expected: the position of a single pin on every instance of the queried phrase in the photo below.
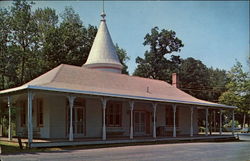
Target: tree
(4, 34)
(201, 82)
(123, 57)
(24, 39)
(37, 40)
(193, 77)
(238, 92)
(155, 65)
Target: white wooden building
(97, 101)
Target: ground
(204, 151)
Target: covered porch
(165, 118)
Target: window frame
(114, 111)
(39, 112)
(23, 112)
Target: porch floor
(120, 139)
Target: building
(96, 101)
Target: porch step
(139, 141)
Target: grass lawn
(13, 148)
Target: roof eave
(128, 96)
(16, 89)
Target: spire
(103, 15)
(103, 55)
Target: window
(23, 114)
(114, 114)
(170, 116)
(39, 105)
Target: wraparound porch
(131, 126)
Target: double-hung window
(114, 114)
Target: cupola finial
(103, 15)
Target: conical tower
(103, 55)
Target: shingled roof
(74, 79)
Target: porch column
(206, 130)
(154, 125)
(131, 104)
(174, 128)
(220, 122)
(30, 122)
(233, 123)
(214, 121)
(10, 128)
(191, 121)
(71, 100)
(104, 104)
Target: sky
(215, 32)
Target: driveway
(222, 151)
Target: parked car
(244, 130)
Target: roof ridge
(58, 71)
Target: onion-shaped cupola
(103, 55)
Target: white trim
(174, 127)
(14, 89)
(71, 100)
(30, 122)
(127, 96)
(206, 130)
(233, 123)
(10, 127)
(131, 104)
(114, 95)
(191, 121)
(104, 105)
(220, 122)
(154, 123)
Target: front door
(78, 121)
(140, 122)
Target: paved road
(226, 151)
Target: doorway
(141, 123)
(78, 119)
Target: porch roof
(81, 80)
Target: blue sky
(217, 33)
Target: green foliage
(123, 57)
(237, 91)
(34, 42)
(194, 77)
(199, 81)
(155, 65)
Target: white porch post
(214, 122)
(71, 105)
(191, 121)
(220, 122)
(233, 123)
(131, 103)
(10, 128)
(104, 104)
(174, 128)
(206, 130)
(30, 122)
(154, 125)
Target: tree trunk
(3, 82)
(244, 120)
(22, 70)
